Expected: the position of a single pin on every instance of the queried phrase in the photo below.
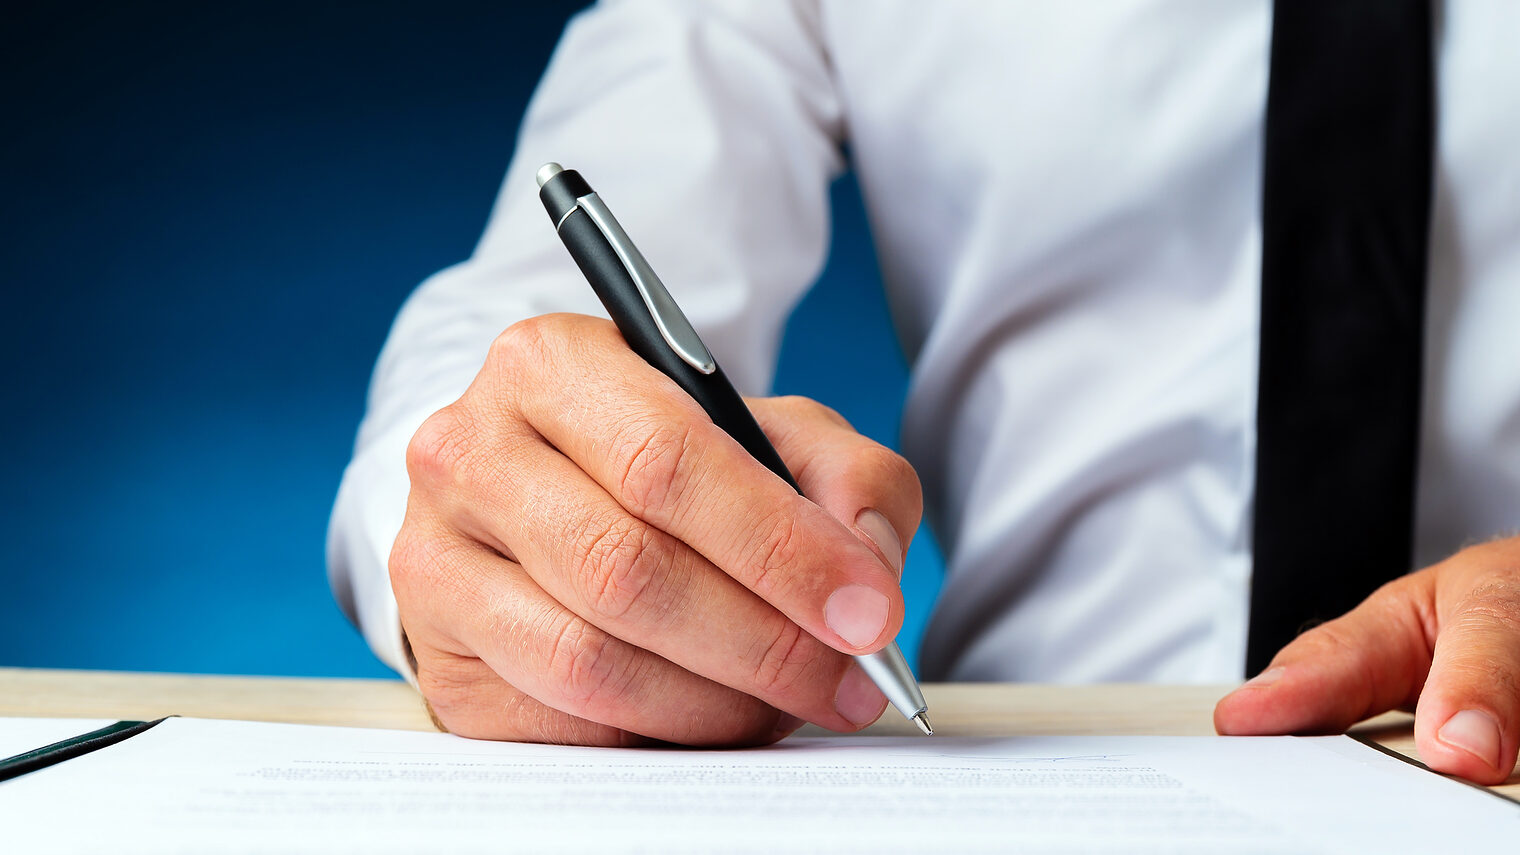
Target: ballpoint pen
(657, 330)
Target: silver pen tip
(922, 720)
(547, 171)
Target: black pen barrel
(620, 296)
(657, 330)
(560, 192)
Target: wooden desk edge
(957, 708)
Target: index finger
(655, 451)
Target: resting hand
(587, 559)
(1444, 642)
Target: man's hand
(1444, 642)
(586, 558)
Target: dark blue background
(211, 213)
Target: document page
(217, 786)
(20, 735)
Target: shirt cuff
(366, 518)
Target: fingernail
(875, 526)
(1475, 732)
(856, 614)
(1265, 678)
(858, 699)
(787, 724)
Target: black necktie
(1345, 215)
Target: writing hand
(587, 559)
(1444, 642)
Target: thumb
(1370, 660)
(860, 482)
(1468, 719)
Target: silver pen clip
(674, 327)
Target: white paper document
(216, 786)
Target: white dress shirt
(1065, 199)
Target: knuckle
(1492, 675)
(449, 691)
(1494, 601)
(786, 659)
(463, 696)
(652, 472)
(774, 552)
(812, 410)
(1330, 640)
(879, 465)
(406, 558)
(1488, 626)
(582, 663)
(756, 726)
(521, 345)
(415, 556)
(619, 562)
(519, 361)
(441, 447)
(430, 573)
(1335, 642)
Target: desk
(962, 709)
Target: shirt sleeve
(712, 130)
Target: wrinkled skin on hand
(1443, 642)
(587, 559)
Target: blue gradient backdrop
(211, 213)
